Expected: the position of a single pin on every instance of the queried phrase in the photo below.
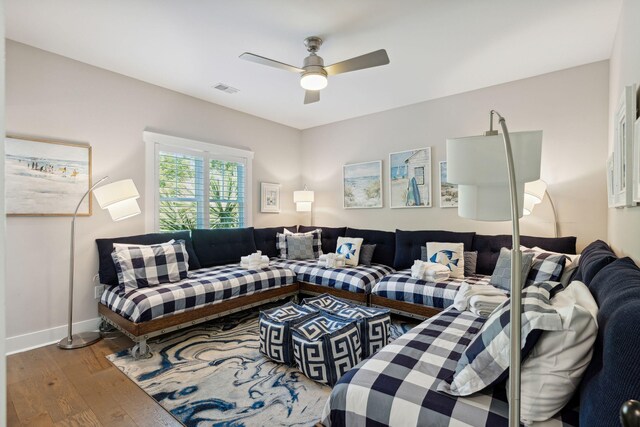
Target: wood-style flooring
(52, 387)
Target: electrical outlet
(98, 291)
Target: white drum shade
(124, 209)
(303, 196)
(115, 192)
(303, 206)
(535, 190)
(478, 164)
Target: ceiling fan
(313, 74)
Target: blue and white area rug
(214, 375)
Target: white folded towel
(466, 291)
(429, 271)
(484, 305)
(331, 260)
(254, 261)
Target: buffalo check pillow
(485, 362)
(546, 266)
(281, 242)
(146, 266)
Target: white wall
(49, 96)
(570, 106)
(3, 360)
(624, 224)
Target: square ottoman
(275, 330)
(326, 302)
(374, 324)
(325, 347)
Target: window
(196, 184)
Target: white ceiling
(436, 47)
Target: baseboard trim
(20, 343)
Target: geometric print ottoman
(326, 302)
(325, 347)
(275, 330)
(374, 326)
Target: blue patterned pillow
(485, 362)
(146, 266)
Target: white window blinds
(199, 189)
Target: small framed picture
(448, 192)
(269, 197)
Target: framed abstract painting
(46, 178)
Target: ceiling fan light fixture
(313, 81)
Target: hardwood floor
(52, 387)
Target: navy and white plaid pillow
(146, 266)
(546, 266)
(485, 362)
(281, 242)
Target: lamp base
(80, 340)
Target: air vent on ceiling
(226, 88)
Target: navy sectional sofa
(220, 287)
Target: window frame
(156, 142)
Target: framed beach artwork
(362, 185)
(624, 120)
(448, 192)
(410, 178)
(269, 197)
(46, 178)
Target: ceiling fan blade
(270, 62)
(311, 96)
(368, 60)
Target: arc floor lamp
(534, 193)
(119, 198)
(491, 171)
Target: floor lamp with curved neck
(491, 171)
(120, 199)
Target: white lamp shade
(303, 196)
(535, 190)
(303, 206)
(529, 203)
(478, 164)
(123, 209)
(115, 192)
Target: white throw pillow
(450, 255)
(350, 248)
(554, 368)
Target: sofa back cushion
(408, 244)
(488, 247)
(612, 376)
(223, 246)
(385, 242)
(329, 236)
(265, 239)
(107, 269)
(594, 258)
